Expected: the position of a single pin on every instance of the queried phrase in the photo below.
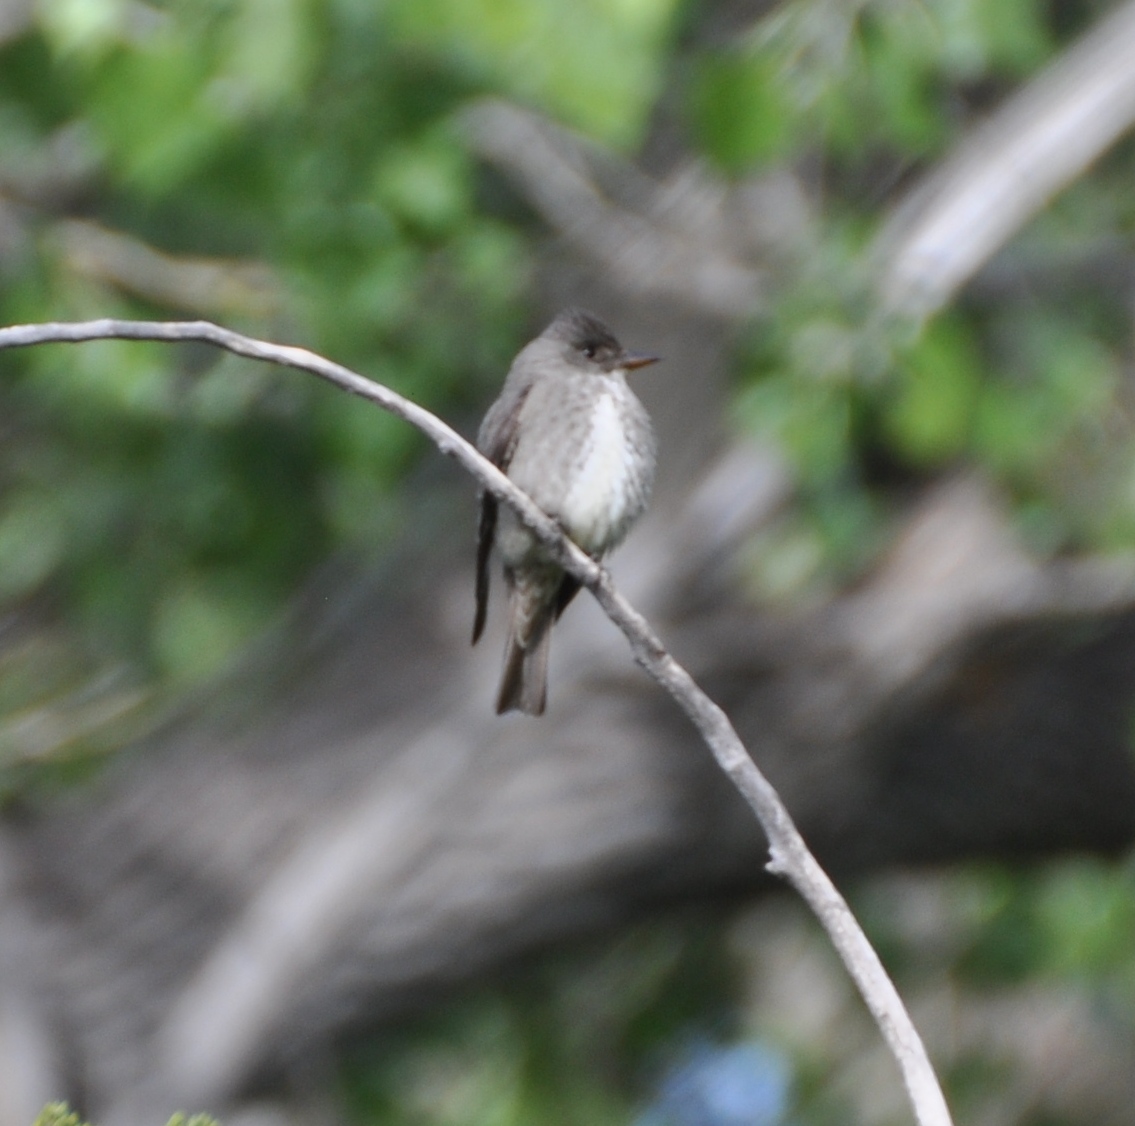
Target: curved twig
(789, 855)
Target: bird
(567, 430)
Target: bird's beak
(632, 360)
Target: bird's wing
(497, 441)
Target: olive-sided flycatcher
(568, 431)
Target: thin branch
(695, 262)
(209, 286)
(789, 855)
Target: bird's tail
(524, 681)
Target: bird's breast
(610, 483)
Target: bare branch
(15, 17)
(212, 286)
(1032, 148)
(789, 854)
(689, 252)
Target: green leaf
(58, 1114)
(1087, 914)
(425, 183)
(740, 113)
(33, 539)
(1066, 381)
(931, 416)
(268, 53)
(157, 114)
(810, 421)
(83, 27)
(596, 63)
(201, 624)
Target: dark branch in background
(211, 287)
(674, 240)
(789, 855)
(15, 15)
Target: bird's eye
(590, 351)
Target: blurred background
(264, 850)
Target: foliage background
(298, 169)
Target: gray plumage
(568, 430)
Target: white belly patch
(596, 508)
